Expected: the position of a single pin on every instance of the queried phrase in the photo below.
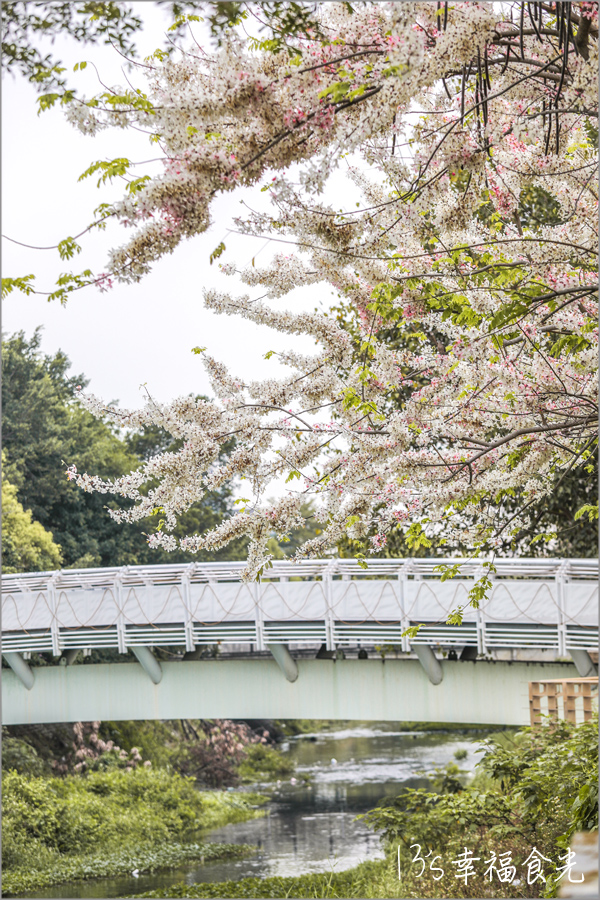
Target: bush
(264, 763)
(112, 809)
(155, 740)
(215, 751)
(20, 756)
(87, 826)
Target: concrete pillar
(583, 663)
(20, 668)
(149, 663)
(71, 655)
(284, 660)
(429, 661)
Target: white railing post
(481, 645)
(329, 620)
(258, 618)
(186, 595)
(404, 620)
(561, 579)
(53, 603)
(119, 595)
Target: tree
(568, 494)
(466, 119)
(44, 430)
(26, 545)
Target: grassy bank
(144, 859)
(357, 882)
(377, 879)
(107, 823)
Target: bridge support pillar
(583, 663)
(149, 663)
(429, 661)
(20, 668)
(284, 660)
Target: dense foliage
(56, 829)
(216, 753)
(26, 545)
(535, 789)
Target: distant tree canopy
(45, 429)
(26, 545)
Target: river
(311, 827)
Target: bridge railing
(534, 603)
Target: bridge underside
(475, 692)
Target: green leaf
(111, 169)
(68, 248)
(589, 508)
(217, 252)
(455, 617)
(447, 571)
(137, 184)
(412, 631)
(415, 537)
(17, 284)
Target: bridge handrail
(423, 567)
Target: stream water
(312, 827)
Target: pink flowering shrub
(212, 755)
(91, 754)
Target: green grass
(62, 829)
(146, 859)
(352, 883)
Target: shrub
(264, 763)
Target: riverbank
(364, 881)
(111, 823)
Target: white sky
(132, 334)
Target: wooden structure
(573, 699)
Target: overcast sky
(132, 334)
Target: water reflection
(312, 827)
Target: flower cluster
(90, 752)
(474, 143)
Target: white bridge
(534, 605)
